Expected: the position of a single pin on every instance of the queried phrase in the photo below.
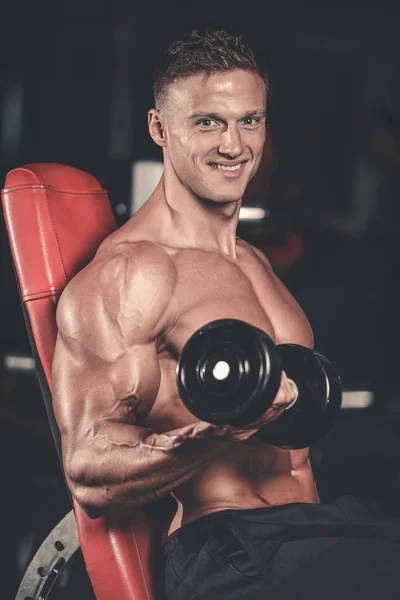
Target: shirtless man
(173, 267)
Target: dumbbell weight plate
(333, 403)
(301, 424)
(228, 372)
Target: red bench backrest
(56, 217)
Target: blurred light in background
(14, 363)
(252, 214)
(357, 399)
(145, 176)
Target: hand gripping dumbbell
(229, 373)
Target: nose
(231, 143)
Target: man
(174, 266)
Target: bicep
(87, 392)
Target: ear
(157, 127)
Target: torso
(212, 286)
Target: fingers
(284, 398)
(286, 395)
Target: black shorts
(300, 551)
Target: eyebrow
(258, 112)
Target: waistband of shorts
(346, 509)
(200, 528)
(198, 531)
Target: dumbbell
(229, 373)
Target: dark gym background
(75, 87)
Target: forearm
(121, 466)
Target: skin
(174, 266)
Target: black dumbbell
(229, 373)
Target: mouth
(234, 169)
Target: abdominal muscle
(248, 475)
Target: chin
(224, 195)
(220, 198)
(230, 199)
(229, 196)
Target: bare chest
(210, 287)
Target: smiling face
(214, 132)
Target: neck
(192, 221)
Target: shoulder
(127, 287)
(136, 263)
(254, 251)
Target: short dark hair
(206, 52)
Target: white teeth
(224, 168)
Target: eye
(250, 121)
(207, 123)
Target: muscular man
(251, 515)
